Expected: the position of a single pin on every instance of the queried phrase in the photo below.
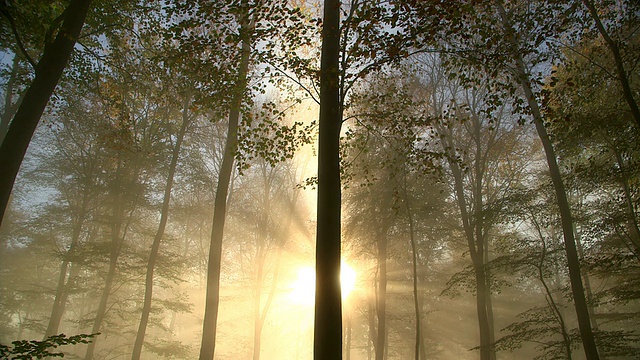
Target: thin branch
(14, 29)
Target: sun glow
(303, 290)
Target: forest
(306, 179)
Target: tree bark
(155, 246)
(208, 343)
(48, 72)
(573, 262)
(328, 304)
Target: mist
(171, 202)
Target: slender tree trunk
(155, 246)
(587, 284)
(260, 262)
(573, 262)
(260, 314)
(550, 299)
(102, 306)
(257, 302)
(64, 283)
(423, 349)
(372, 321)
(617, 58)
(48, 72)
(484, 289)
(328, 305)
(492, 338)
(476, 251)
(632, 221)
(347, 347)
(9, 107)
(117, 239)
(208, 343)
(381, 308)
(414, 263)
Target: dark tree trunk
(155, 246)
(48, 72)
(573, 262)
(208, 343)
(328, 305)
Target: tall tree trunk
(117, 239)
(489, 303)
(484, 289)
(347, 347)
(476, 248)
(260, 312)
(573, 262)
(381, 308)
(155, 246)
(566, 339)
(587, 284)
(617, 58)
(260, 262)
(48, 72)
(257, 300)
(328, 305)
(414, 263)
(372, 320)
(64, 282)
(423, 349)
(208, 343)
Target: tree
(508, 58)
(327, 342)
(48, 72)
(126, 186)
(207, 347)
(164, 213)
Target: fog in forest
(167, 205)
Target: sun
(303, 289)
